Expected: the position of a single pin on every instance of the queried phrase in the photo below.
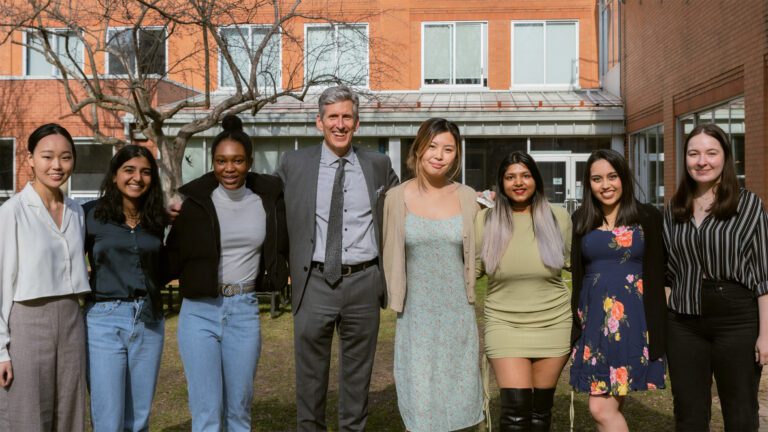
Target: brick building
(540, 76)
(685, 63)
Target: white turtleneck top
(243, 222)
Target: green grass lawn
(274, 408)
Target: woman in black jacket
(618, 301)
(228, 242)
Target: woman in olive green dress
(523, 244)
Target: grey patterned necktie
(332, 264)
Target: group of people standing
(618, 322)
(357, 241)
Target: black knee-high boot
(516, 406)
(541, 416)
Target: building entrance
(563, 175)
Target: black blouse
(735, 249)
(125, 262)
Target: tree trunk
(171, 155)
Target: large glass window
(66, 45)
(545, 53)
(268, 151)
(7, 172)
(455, 53)
(482, 157)
(92, 162)
(730, 117)
(610, 35)
(647, 154)
(337, 53)
(195, 162)
(123, 55)
(242, 43)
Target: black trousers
(721, 341)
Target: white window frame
(84, 193)
(551, 87)
(642, 173)
(483, 55)
(7, 193)
(610, 35)
(136, 62)
(54, 70)
(221, 62)
(335, 36)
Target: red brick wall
(681, 56)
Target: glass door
(562, 175)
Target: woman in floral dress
(618, 292)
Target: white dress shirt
(37, 258)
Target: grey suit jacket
(298, 170)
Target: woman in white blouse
(42, 272)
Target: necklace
(132, 220)
(704, 204)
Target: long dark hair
(51, 129)
(590, 214)
(233, 130)
(499, 222)
(726, 191)
(110, 207)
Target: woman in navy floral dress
(618, 292)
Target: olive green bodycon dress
(527, 308)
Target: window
(455, 53)
(730, 117)
(242, 43)
(92, 162)
(7, 171)
(545, 53)
(647, 154)
(195, 161)
(123, 54)
(66, 45)
(610, 35)
(338, 52)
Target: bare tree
(115, 58)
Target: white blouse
(37, 258)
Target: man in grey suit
(334, 197)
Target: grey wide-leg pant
(47, 352)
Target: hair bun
(232, 123)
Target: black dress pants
(720, 341)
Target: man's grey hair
(341, 93)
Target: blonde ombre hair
(499, 223)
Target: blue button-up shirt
(358, 241)
(125, 263)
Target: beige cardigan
(394, 243)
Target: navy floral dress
(611, 356)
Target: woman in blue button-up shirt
(124, 320)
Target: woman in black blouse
(717, 240)
(124, 240)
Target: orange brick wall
(681, 56)
(394, 27)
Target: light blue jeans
(123, 362)
(220, 342)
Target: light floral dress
(437, 368)
(611, 356)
